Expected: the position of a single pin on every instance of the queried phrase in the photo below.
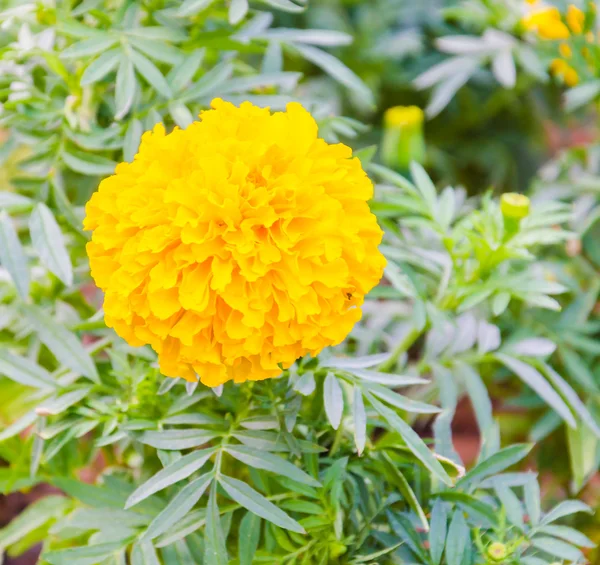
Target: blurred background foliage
(81, 80)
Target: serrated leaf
(494, 464)
(86, 555)
(270, 462)
(171, 474)
(249, 536)
(333, 399)
(87, 164)
(125, 87)
(150, 73)
(252, 500)
(215, 550)
(360, 420)
(133, 136)
(49, 243)
(457, 540)
(100, 67)
(88, 47)
(337, 70)
(412, 440)
(63, 344)
(237, 11)
(557, 548)
(177, 439)
(12, 256)
(540, 385)
(565, 508)
(24, 371)
(437, 531)
(179, 506)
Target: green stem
(402, 347)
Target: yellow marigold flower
(236, 246)
(565, 50)
(547, 23)
(575, 18)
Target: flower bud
(403, 140)
(497, 551)
(514, 205)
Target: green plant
(323, 465)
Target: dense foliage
(488, 300)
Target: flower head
(497, 551)
(575, 19)
(235, 246)
(403, 116)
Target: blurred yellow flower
(547, 23)
(403, 140)
(565, 50)
(236, 246)
(575, 19)
(562, 69)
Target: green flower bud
(403, 139)
(497, 551)
(514, 205)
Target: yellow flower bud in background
(547, 23)
(514, 205)
(497, 551)
(565, 50)
(575, 18)
(403, 139)
(561, 69)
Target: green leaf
(252, 500)
(179, 506)
(143, 553)
(270, 462)
(568, 534)
(151, 73)
(360, 420)
(49, 242)
(12, 256)
(177, 439)
(181, 114)
(173, 473)
(437, 531)
(404, 488)
(539, 384)
(87, 555)
(181, 75)
(532, 495)
(24, 371)
(215, 551)
(32, 518)
(565, 508)
(158, 50)
(457, 540)
(61, 342)
(322, 37)
(337, 70)
(413, 441)
(61, 403)
(160, 33)
(100, 67)
(557, 548)
(285, 5)
(125, 88)
(249, 536)
(209, 83)
(192, 7)
(333, 399)
(87, 164)
(425, 186)
(133, 136)
(399, 401)
(494, 464)
(89, 47)
(237, 11)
